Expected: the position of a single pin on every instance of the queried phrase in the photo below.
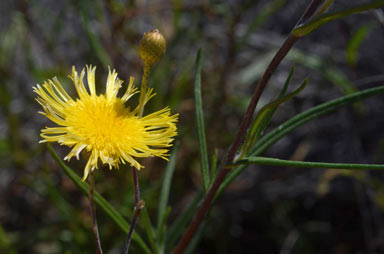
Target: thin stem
(193, 226)
(100, 201)
(92, 210)
(279, 56)
(306, 164)
(139, 205)
(309, 11)
(143, 90)
(284, 49)
(136, 185)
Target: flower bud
(152, 47)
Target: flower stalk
(151, 49)
(143, 87)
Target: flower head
(101, 124)
(152, 47)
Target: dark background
(266, 209)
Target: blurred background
(266, 209)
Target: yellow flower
(102, 124)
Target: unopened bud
(152, 47)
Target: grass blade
(147, 226)
(164, 195)
(100, 201)
(306, 164)
(355, 42)
(204, 163)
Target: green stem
(306, 164)
(143, 88)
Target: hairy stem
(92, 210)
(279, 56)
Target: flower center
(104, 124)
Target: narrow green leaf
(355, 42)
(145, 222)
(164, 195)
(286, 83)
(178, 226)
(177, 7)
(204, 164)
(330, 72)
(100, 201)
(162, 234)
(306, 164)
(324, 7)
(308, 115)
(257, 127)
(265, 121)
(272, 137)
(310, 26)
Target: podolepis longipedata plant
(105, 127)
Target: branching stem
(279, 56)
